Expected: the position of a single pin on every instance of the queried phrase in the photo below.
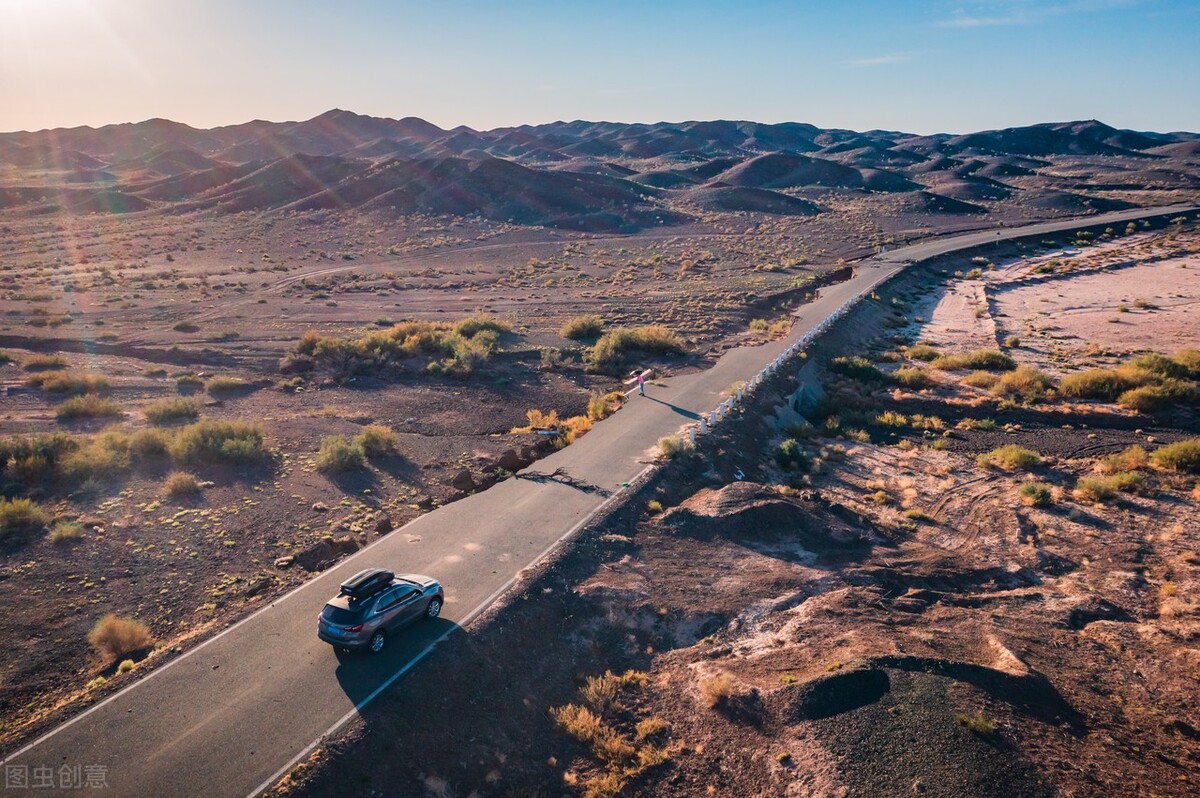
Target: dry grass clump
(377, 440)
(673, 446)
(717, 690)
(149, 443)
(75, 383)
(227, 386)
(45, 363)
(188, 384)
(1130, 459)
(210, 441)
(1099, 489)
(1183, 456)
(771, 328)
(1103, 384)
(87, 406)
(601, 692)
(1025, 383)
(582, 328)
(480, 322)
(64, 532)
(601, 406)
(181, 483)
(1036, 494)
(608, 354)
(339, 454)
(925, 352)
(977, 724)
(19, 519)
(1153, 398)
(1010, 458)
(857, 368)
(981, 379)
(165, 411)
(114, 637)
(981, 359)
(977, 424)
(912, 378)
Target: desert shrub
(377, 440)
(1010, 458)
(114, 637)
(672, 446)
(976, 424)
(717, 690)
(19, 519)
(917, 514)
(164, 411)
(1036, 494)
(45, 363)
(590, 729)
(1160, 366)
(181, 483)
(648, 727)
(308, 342)
(573, 428)
(1025, 383)
(856, 368)
(792, 454)
(75, 383)
(87, 406)
(188, 383)
(977, 724)
(226, 386)
(890, 418)
(148, 443)
(64, 532)
(981, 379)
(1012, 341)
(1189, 361)
(1128, 460)
(100, 457)
(773, 328)
(126, 666)
(610, 350)
(912, 378)
(5, 358)
(211, 441)
(1183, 456)
(601, 406)
(186, 327)
(582, 328)
(980, 359)
(924, 352)
(1104, 384)
(1152, 398)
(339, 454)
(480, 322)
(1098, 489)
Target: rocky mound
(753, 200)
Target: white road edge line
(470, 616)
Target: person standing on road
(639, 376)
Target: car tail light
(354, 628)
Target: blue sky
(933, 66)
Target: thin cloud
(881, 60)
(1000, 13)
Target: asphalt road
(226, 718)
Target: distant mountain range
(587, 175)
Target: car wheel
(434, 608)
(377, 641)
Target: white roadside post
(703, 425)
(712, 418)
(692, 435)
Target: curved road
(227, 718)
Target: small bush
(1025, 383)
(166, 411)
(181, 483)
(1160, 366)
(601, 406)
(64, 532)
(188, 384)
(480, 322)
(609, 352)
(1189, 361)
(1183, 456)
(1130, 459)
(582, 328)
(126, 666)
(87, 406)
(792, 454)
(924, 352)
(1099, 489)
(912, 378)
(186, 327)
(339, 454)
(377, 440)
(1036, 494)
(19, 519)
(1153, 398)
(75, 383)
(981, 359)
(977, 424)
(981, 379)
(856, 368)
(1010, 458)
(149, 443)
(977, 724)
(717, 690)
(227, 386)
(1103, 384)
(45, 363)
(648, 727)
(210, 441)
(114, 637)
(672, 446)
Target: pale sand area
(957, 318)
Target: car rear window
(339, 616)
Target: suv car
(374, 603)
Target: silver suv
(375, 603)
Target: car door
(397, 606)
